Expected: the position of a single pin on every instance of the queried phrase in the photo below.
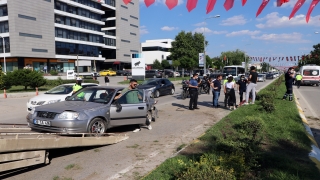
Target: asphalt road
(310, 99)
(132, 158)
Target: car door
(133, 109)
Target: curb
(314, 155)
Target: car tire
(172, 91)
(148, 118)
(156, 94)
(97, 126)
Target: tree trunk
(25, 87)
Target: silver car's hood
(77, 106)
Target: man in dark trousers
(242, 86)
(193, 90)
(289, 76)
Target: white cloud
(289, 4)
(208, 31)
(283, 38)
(243, 32)
(201, 24)
(273, 20)
(235, 20)
(167, 28)
(143, 30)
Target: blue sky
(272, 34)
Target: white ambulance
(310, 74)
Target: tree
(175, 64)
(217, 63)
(156, 64)
(165, 64)
(312, 58)
(186, 48)
(26, 77)
(264, 67)
(4, 80)
(209, 62)
(234, 57)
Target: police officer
(289, 76)
(77, 86)
(193, 91)
(298, 79)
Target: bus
(310, 74)
(235, 71)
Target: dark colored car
(153, 73)
(168, 73)
(186, 73)
(158, 87)
(123, 73)
(270, 76)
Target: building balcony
(72, 3)
(72, 28)
(3, 2)
(78, 17)
(78, 42)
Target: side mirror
(118, 105)
(67, 98)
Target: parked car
(95, 111)
(214, 75)
(123, 73)
(56, 94)
(153, 73)
(158, 87)
(107, 73)
(261, 78)
(269, 76)
(186, 73)
(177, 74)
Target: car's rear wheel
(172, 91)
(97, 127)
(156, 94)
(148, 118)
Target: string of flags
(288, 58)
(228, 4)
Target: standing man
(193, 91)
(242, 87)
(77, 86)
(106, 80)
(289, 76)
(216, 88)
(45, 69)
(252, 84)
(298, 79)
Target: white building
(156, 49)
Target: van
(310, 74)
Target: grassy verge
(171, 79)
(262, 141)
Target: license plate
(41, 122)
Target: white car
(56, 94)
(177, 74)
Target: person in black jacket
(242, 87)
(289, 77)
(106, 80)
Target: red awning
(116, 62)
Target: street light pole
(4, 55)
(204, 44)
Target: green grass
(18, 89)
(171, 79)
(231, 149)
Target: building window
(40, 50)
(4, 27)
(7, 45)
(109, 42)
(27, 17)
(133, 17)
(48, 0)
(3, 10)
(76, 10)
(67, 34)
(127, 55)
(110, 33)
(155, 48)
(30, 35)
(134, 25)
(131, 3)
(123, 40)
(124, 19)
(111, 2)
(124, 6)
(76, 23)
(134, 51)
(72, 49)
(89, 3)
(133, 34)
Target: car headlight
(54, 101)
(68, 115)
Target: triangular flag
(296, 8)
(171, 3)
(280, 2)
(244, 2)
(312, 5)
(228, 4)
(262, 6)
(126, 1)
(191, 4)
(210, 5)
(149, 2)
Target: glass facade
(76, 10)
(39, 66)
(76, 23)
(155, 48)
(10, 66)
(3, 10)
(89, 3)
(4, 27)
(61, 66)
(74, 49)
(7, 44)
(109, 42)
(64, 33)
(111, 2)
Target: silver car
(94, 110)
(261, 78)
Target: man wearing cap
(193, 91)
(77, 86)
(289, 76)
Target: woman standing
(106, 80)
(230, 92)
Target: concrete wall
(124, 30)
(37, 20)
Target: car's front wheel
(172, 91)
(97, 127)
(148, 118)
(156, 94)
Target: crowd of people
(230, 86)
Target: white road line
(306, 103)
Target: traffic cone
(37, 93)
(4, 93)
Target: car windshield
(63, 89)
(150, 82)
(97, 95)
(260, 75)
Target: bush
(53, 72)
(5, 82)
(60, 81)
(26, 77)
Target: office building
(55, 33)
